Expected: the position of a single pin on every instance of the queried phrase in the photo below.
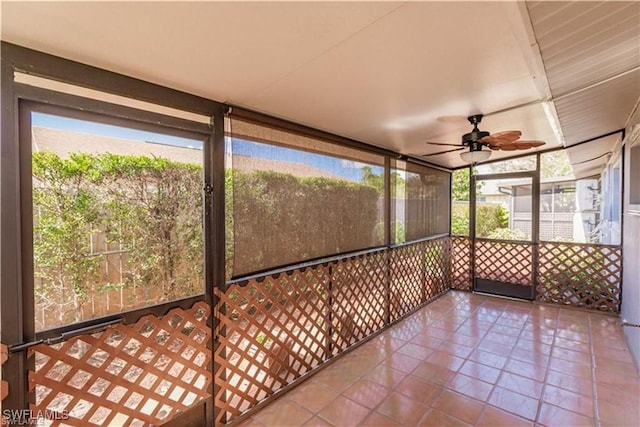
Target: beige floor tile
(317, 422)
(583, 386)
(455, 349)
(480, 371)
(377, 420)
(459, 406)
(572, 345)
(494, 417)
(402, 362)
(619, 413)
(336, 379)
(402, 409)
(418, 389)
(416, 351)
(367, 393)
(437, 418)
(522, 385)
(312, 396)
(427, 341)
(554, 416)
(250, 422)
(568, 400)
(571, 368)
(496, 348)
(283, 413)
(344, 412)
(385, 376)
(488, 358)
(515, 403)
(433, 373)
(470, 387)
(524, 369)
(583, 358)
(445, 360)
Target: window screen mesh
(421, 201)
(292, 198)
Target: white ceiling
(386, 73)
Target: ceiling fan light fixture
(475, 156)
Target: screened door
(504, 224)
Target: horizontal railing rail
(274, 272)
(515, 242)
(600, 245)
(125, 317)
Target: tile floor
(468, 359)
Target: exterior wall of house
(631, 244)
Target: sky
(348, 169)
(83, 126)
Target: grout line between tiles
(548, 369)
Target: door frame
(534, 175)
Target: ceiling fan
(476, 139)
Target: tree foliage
(555, 164)
(460, 184)
(148, 208)
(377, 181)
(489, 218)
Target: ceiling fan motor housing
(473, 137)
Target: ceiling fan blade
(531, 143)
(500, 138)
(521, 145)
(442, 152)
(507, 134)
(443, 143)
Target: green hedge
(147, 208)
(151, 208)
(280, 219)
(490, 219)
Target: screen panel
(292, 198)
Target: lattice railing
(461, 263)
(437, 267)
(407, 279)
(4, 385)
(140, 374)
(509, 262)
(272, 330)
(419, 272)
(580, 275)
(357, 299)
